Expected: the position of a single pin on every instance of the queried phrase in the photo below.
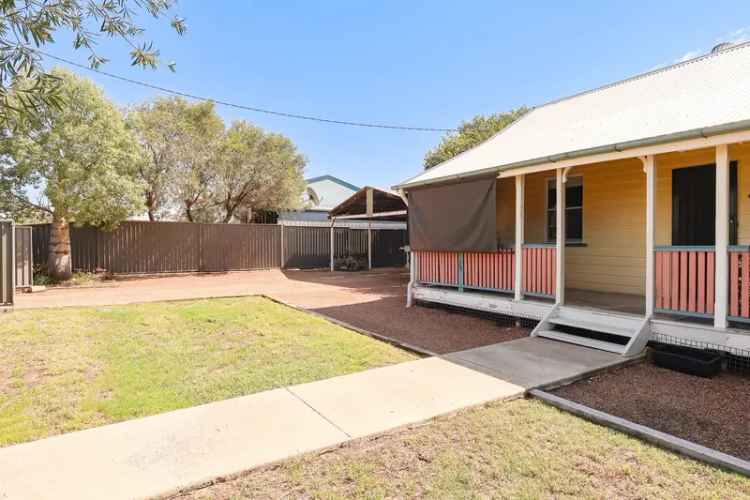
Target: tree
(469, 134)
(82, 159)
(26, 25)
(257, 171)
(201, 131)
(160, 128)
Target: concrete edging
(662, 439)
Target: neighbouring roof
(319, 178)
(383, 200)
(708, 94)
(326, 191)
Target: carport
(384, 212)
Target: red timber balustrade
(685, 279)
(539, 270)
(490, 271)
(739, 283)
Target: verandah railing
(684, 280)
(739, 283)
(539, 270)
(686, 277)
(490, 271)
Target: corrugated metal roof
(708, 91)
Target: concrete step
(594, 326)
(616, 320)
(584, 341)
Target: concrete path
(534, 362)
(163, 453)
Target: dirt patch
(711, 412)
(434, 329)
(371, 300)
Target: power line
(241, 106)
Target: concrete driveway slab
(383, 398)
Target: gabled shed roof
(706, 95)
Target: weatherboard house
(614, 217)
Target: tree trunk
(150, 202)
(59, 262)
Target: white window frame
(551, 185)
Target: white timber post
(412, 279)
(560, 242)
(722, 236)
(333, 243)
(518, 282)
(369, 205)
(649, 167)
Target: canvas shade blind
(456, 217)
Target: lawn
(518, 449)
(68, 369)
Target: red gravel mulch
(712, 412)
(433, 329)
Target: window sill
(570, 244)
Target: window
(573, 210)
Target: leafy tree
(26, 25)
(81, 157)
(201, 131)
(161, 129)
(469, 134)
(257, 171)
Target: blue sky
(420, 63)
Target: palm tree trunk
(59, 261)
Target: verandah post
(560, 242)
(460, 271)
(649, 166)
(520, 190)
(722, 236)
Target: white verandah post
(560, 242)
(649, 166)
(369, 205)
(722, 236)
(518, 282)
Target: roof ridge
(646, 74)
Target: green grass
(517, 449)
(68, 369)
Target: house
(614, 217)
(321, 195)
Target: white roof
(708, 91)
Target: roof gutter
(698, 133)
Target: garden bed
(712, 412)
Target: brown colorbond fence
(168, 247)
(307, 247)
(137, 247)
(7, 273)
(24, 257)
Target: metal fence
(7, 257)
(137, 247)
(24, 265)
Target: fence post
(333, 243)
(281, 265)
(369, 245)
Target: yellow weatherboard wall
(613, 258)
